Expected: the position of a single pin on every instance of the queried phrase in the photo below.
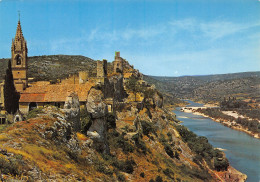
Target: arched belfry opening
(18, 60)
(32, 106)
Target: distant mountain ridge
(210, 87)
(215, 77)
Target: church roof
(55, 93)
(32, 97)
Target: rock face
(98, 112)
(158, 100)
(61, 132)
(72, 111)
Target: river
(242, 150)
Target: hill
(54, 66)
(211, 87)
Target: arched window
(18, 60)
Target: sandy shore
(229, 124)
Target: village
(37, 94)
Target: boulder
(72, 111)
(98, 112)
(95, 105)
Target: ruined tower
(101, 71)
(19, 60)
(118, 63)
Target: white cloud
(214, 29)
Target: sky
(158, 37)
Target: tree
(11, 97)
(133, 85)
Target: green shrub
(33, 113)
(168, 172)
(121, 177)
(11, 166)
(148, 128)
(199, 145)
(158, 179)
(111, 121)
(162, 139)
(140, 145)
(101, 167)
(221, 164)
(125, 145)
(125, 166)
(168, 150)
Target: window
(18, 60)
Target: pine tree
(11, 97)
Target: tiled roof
(32, 97)
(55, 93)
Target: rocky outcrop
(158, 100)
(61, 131)
(98, 112)
(72, 111)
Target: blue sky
(159, 37)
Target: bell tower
(19, 60)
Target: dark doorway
(57, 104)
(32, 106)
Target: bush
(125, 166)
(168, 172)
(140, 144)
(86, 121)
(121, 177)
(10, 166)
(33, 113)
(199, 145)
(101, 167)
(221, 164)
(122, 143)
(168, 150)
(117, 140)
(148, 128)
(158, 179)
(111, 121)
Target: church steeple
(19, 59)
(19, 43)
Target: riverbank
(226, 123)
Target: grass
(4, 126)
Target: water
(242, 150)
